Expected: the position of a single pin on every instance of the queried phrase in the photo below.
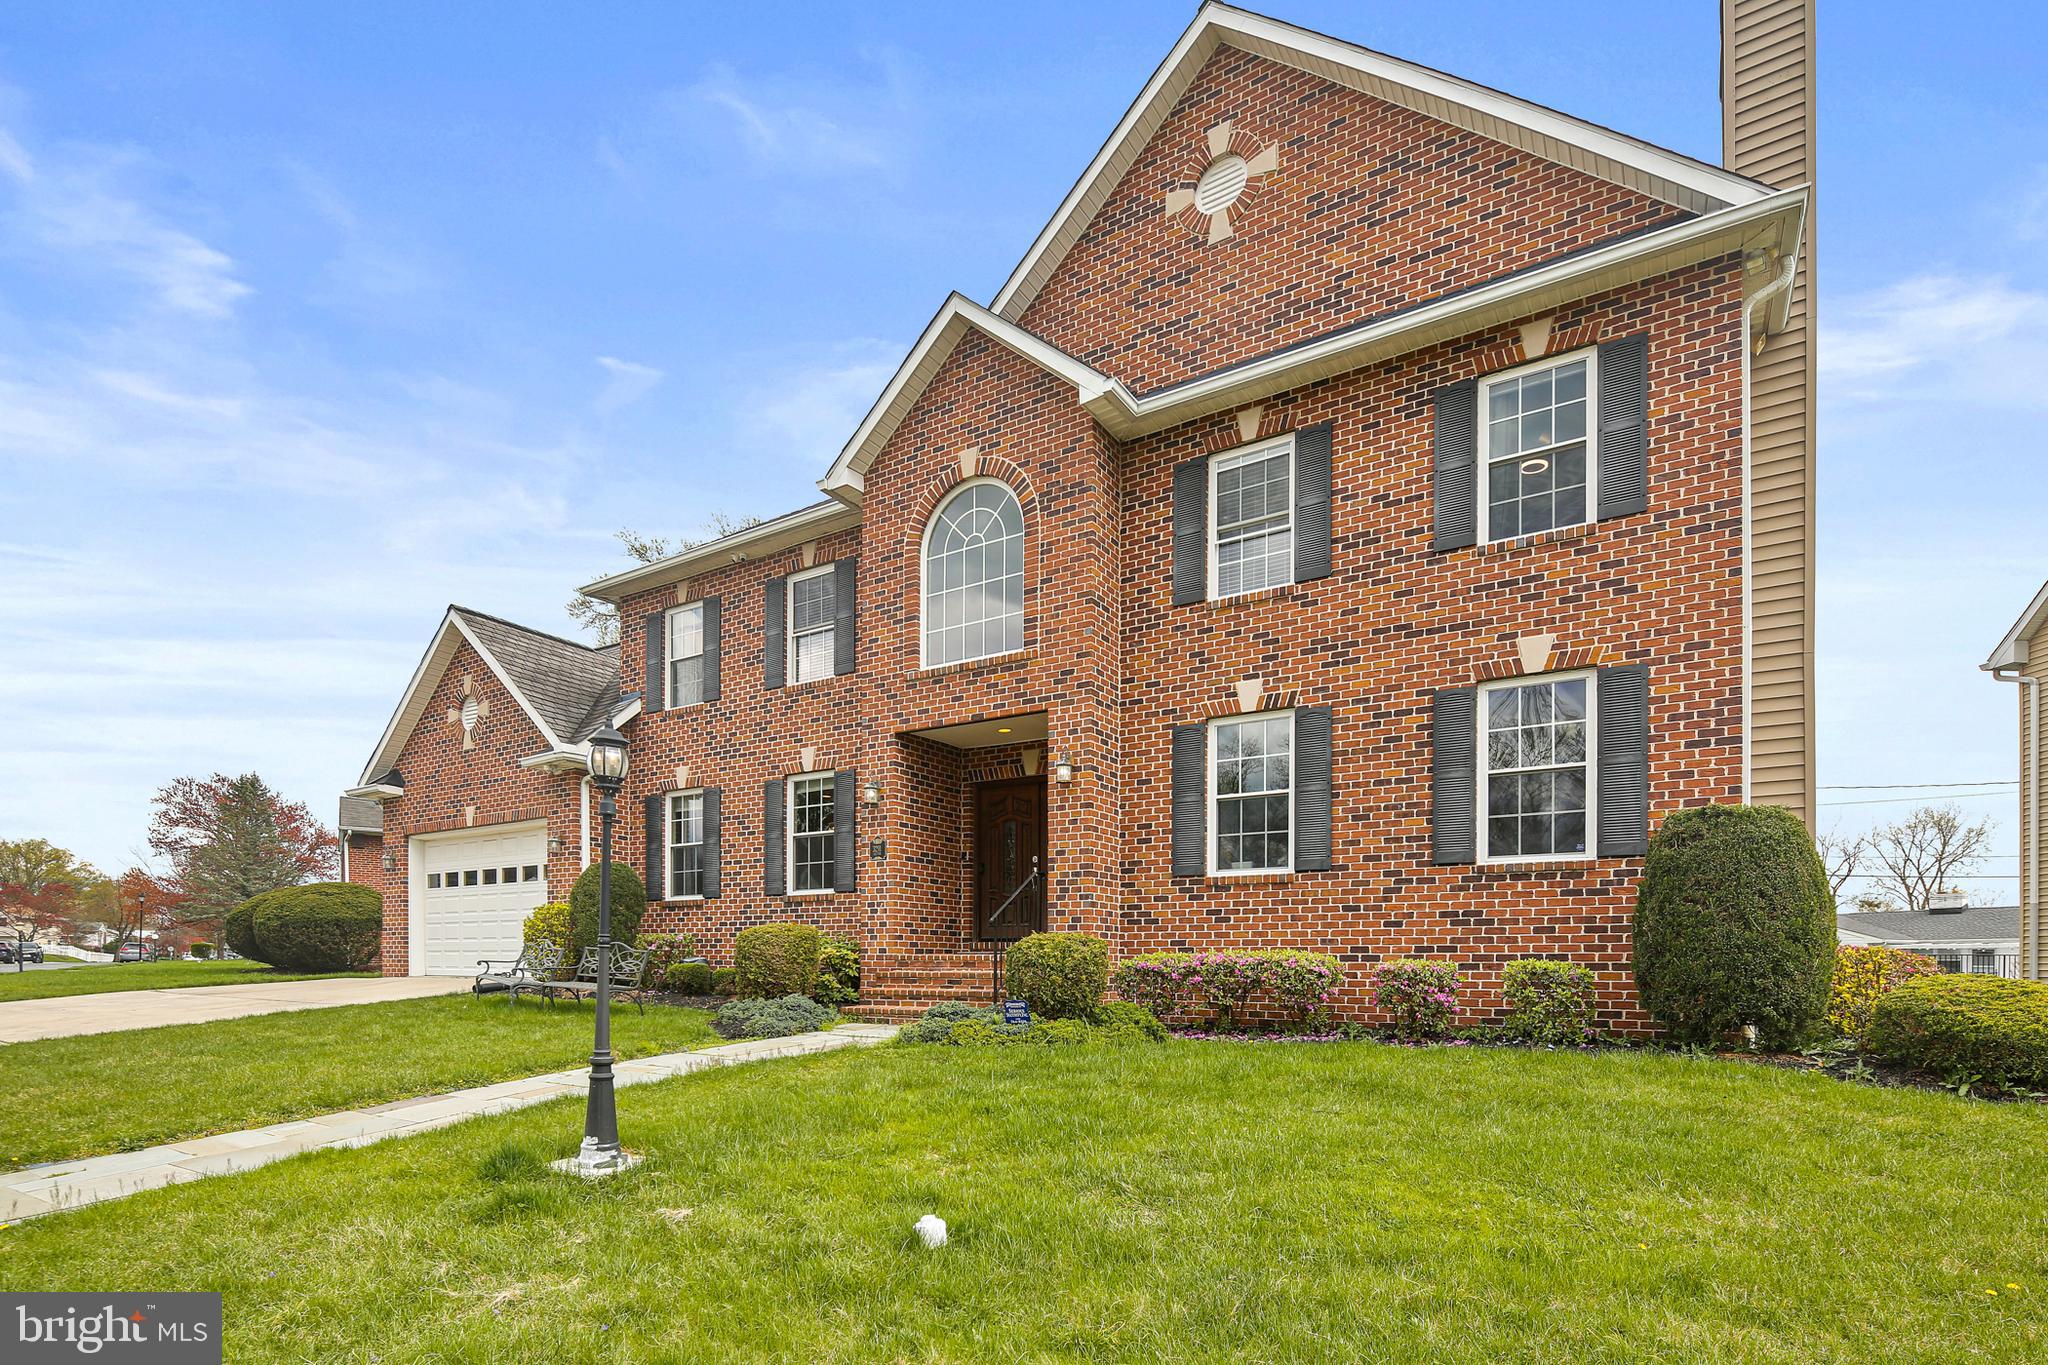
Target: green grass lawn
(143, 976)
(108, 1092)
(1181, 1202)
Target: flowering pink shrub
(1224, 982)
(1153, 980)
(1418, 996)
(1304, 982)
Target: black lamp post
(600, 1153)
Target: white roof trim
(376, 791)
(573, 756)
(2012, 650)
(1661, 174)
(413, 704)
(769, 537)
(956, 316)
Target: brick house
(1368, 504)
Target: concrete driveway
(23, 1021)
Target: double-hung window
(1251, 495)
(686, 654)
(810, 832)
(686, 844)
(1536, 458)
(1536, 775)
(1251, 785)
(812, 606)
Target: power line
(1899, 786)
(1908, 800)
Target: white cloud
(627, 382)
(808, 413)
(788, 134)
(1937, 336)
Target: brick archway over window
(972, 466)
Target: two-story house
(1371, 500)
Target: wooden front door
(1009, 847)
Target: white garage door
(475, 893)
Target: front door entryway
(1009, 856)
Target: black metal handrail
(999, 947)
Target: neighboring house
(1372, 500)
(361, 828)
(2022, 657)
(1960, 936)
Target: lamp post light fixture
(600, 1154)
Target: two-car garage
(471, 891)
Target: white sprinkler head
(932, 1230)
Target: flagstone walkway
(71, 1184)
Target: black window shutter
(843, 830)
(1312, 503)
(1190, 532)
(713, 625)
(655, 698)
(713, 800)
(1456, 494)
(1190, 800)
(1312, 789)
(845, 594)
(657, 845)
(1622, 718)
(1454, 775)
(774, 629)
(1624, 448)
(774, 865)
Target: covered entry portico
(999, 821)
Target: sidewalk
(63, 1016)
(73, 1184)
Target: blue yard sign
(1016, 1012)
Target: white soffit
(2012, 650)
(1615, 157)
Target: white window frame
(1293, 794)
(668, 663)
(789, 836)
(1259, 450)
(668, 867)
(1485, 778)
(924, 579)
(789, 649)
(1484, 500)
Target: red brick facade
(1372, 208)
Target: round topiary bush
(321, 927)
(1959, 1025)
(202, 950)
(238, 931)
(1060, 976)
(629, 902)
(1734, 926)
(772, 960)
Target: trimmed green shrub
(238, 931)
(1060, 976)
(1120, 1021)
(1863, 976)
(202, 950)
(1964, 1025)
(1548, 1002)
(1734, 926)
(724, 981)
(665, 952)
(777, 959)
(1058, 1033)
(960, 1024)
(755, 1018)
(838, 971)
(688, 978)
(629, 903)
(1419, 996)
(1167, 983)
(320, 927)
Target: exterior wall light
(871, 793)
(391, 862)
(1063, 771)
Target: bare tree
(601, 619)
(1919, 855)
(1841, 855)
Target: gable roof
(559, 684)
(1655, 171)
(1978, 924)
(2012, 650)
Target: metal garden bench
(532, 970)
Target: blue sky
(315, 319)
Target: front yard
(1179, 1201)
(110, 1092)
(144, 976)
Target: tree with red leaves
(230, 838)
(41, 885)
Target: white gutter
(1749, 312)
(381, 791)
(2030, 859)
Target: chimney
(1767, 133)
(1948, 902)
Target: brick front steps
(900, 986)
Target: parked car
(15, 950)
(132, 952)
(31, 952)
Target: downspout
(2030, 859)
(583, 844)
(1749, 348)
(344, 855)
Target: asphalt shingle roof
(1978, 924)
(361, 813)
(563, 680)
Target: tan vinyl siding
(1767, 99)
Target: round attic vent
(1221, 183)
(470, 713)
